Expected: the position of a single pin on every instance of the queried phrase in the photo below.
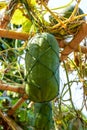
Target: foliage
(69, 119)
(29, 17)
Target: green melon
(43, 116)
(42, 67)
(75, 124)
(68, 11)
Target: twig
(8, 13)
(69, 87)
(18, 90)
(75, 10)
(18, 104)
(56, 17)
(10, 122)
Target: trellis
(74, 45)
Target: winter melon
(42, 67)
(43, 116)
(68, 11)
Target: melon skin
(42, 68)
(43, 116)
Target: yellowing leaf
(18, 18)
(3, 4)
(32, 2)
(58, 122)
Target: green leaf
(26, 26)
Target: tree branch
(73, 45)
(10, 122)
(18, 104)
(8, 13)
(13, 35)
(18, 90)
(63, 44)
(11, 88)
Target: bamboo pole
(13, 35)
(24, 36)
(73, 45)
(12, 88)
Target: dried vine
(9, 121)
(8, 13)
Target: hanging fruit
(42, 67)
(43, 116)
